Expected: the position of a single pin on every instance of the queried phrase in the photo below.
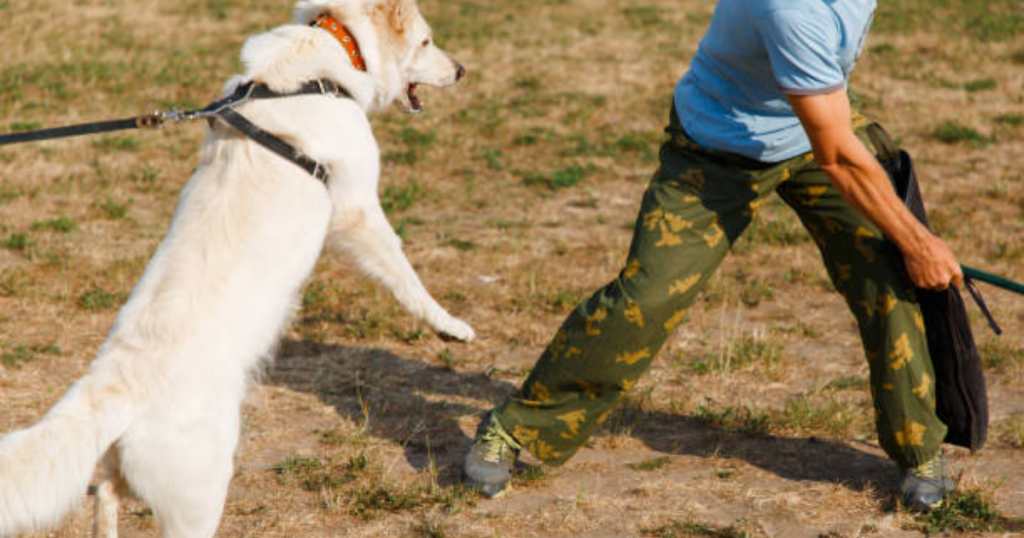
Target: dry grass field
(516, 193)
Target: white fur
(161, 401)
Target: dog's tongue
(414, 102)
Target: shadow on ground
(792, 458)
(411, 403)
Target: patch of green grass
(60, 224)
(401, 157)
(18, 241)
(640, 143)
(119, 143)
(19, 126)
(447, 359)
(332, 437)
(398, 199)
(995, 24)
(314, 474)
(507, 224)
(980, 85)
(692, 529)
(527, 475)
(417, 138)
(741, 418)
(951, 132)
(805, 416)
(754, 291)
(559, 179)
(15, 356)
(368, 501)
(459, 244)
(1012, 119)
(845, 383)
(428, 528)
(982, 20)
(416, 143)
(651, 464)
(493, 158)
(1011, 430)
(114, 210)
(298, 465)
(782, 230)
(146, 179)
(966, 511)
(741, 352)
(15, 282)
(564, 299)
(644, 17)
(315, 296)
(99, 299)
(8, 195)
(883, 48)
(1001, 355)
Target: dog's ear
(398, 13)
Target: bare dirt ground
(516, 193)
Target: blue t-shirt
(733, 98)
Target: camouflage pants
(698, 203)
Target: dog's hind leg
(363, 232)
(106, 507)
(181, 468)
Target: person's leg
(868, 272)
(697, 204)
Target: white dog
(161, 403)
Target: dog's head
(396, 43)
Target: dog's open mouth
(415, 105)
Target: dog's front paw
(455, 328)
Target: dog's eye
(426, 42)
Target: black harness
(223, 109)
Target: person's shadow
(410, 403)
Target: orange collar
(343, 36)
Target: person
(762, 109)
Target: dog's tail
(45, 469)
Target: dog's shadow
(405, 400)
(413, 404)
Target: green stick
(997, 281)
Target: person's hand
(932, 265)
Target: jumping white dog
(161, 402)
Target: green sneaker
(488, 465)
(923, 488)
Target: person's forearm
(866, 187)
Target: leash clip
(151, 121)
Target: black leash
(147, 121)
(223, 109)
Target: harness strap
(273, 143)
(224, 109)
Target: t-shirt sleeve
(803, 50)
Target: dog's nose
(459, 71)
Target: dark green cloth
(696, 206)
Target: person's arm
(863, 183)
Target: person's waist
(678, 136)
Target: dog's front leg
(363, 232)
(106, 507)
